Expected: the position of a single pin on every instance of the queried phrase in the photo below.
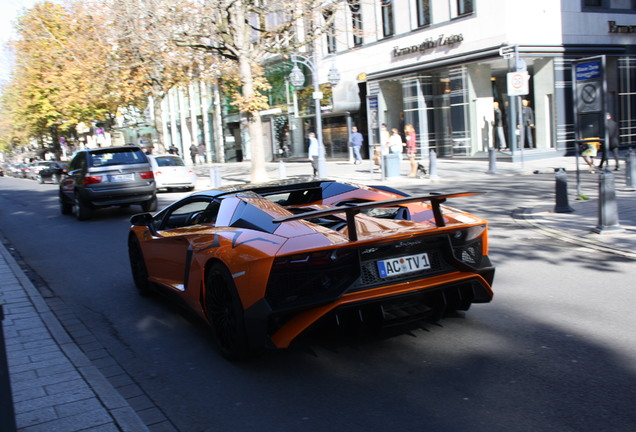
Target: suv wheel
(65, 207)
(150, 205)
(82, 210)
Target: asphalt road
(554, 351)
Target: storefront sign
(428, 44)
(614, 28)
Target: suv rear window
(122, 156)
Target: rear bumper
(116, 196)
(380, 307)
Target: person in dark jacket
(612, 134)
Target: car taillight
(92, 179)
(146, 175)
(311, 278)
(468, 245)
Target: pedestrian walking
(355, 142)
(411, 148)
(193, 153)
(612, 134)
(500, 137)
(201, 153)
(313, 152)
(395, 142)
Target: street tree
(142, 34)
(247, 32)
(62, 57)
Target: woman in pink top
(411, 147)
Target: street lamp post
(297, 78)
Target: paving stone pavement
(54, 385)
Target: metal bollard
(561, 191)
(7, 414)
(630, 170)
(282, 171)
(215, 177)
(607, 208)
(432, 165)
(492, 161)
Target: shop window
(423, 12)
(388, 25)
(356, 22)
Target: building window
(423, 12)
(592, 3)
(331, 31)
(465, 7)
(356, 21)
(388, 28)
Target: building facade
(443, 66)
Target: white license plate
(116, 178)
(403, 265)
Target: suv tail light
(146, 175)
(92, 179)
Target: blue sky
(9, 11)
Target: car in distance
(265, 264)
(107, 176)
(51, 171)
(171, 172)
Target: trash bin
(391, 165)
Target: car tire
(56, 178)
(40, 179)
(66, 208)
(138, 267)
(225, 313)
(82, 210)
(150, 205)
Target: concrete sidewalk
(55, 387)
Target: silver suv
(106, 177)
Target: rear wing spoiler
(351, 210)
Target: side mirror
(141, 219)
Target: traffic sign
(518, 83)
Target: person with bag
(589, 151)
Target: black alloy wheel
(138, 267)
(82, 209)
(150, 205)
(225, 313)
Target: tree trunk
(255, 126)
(158, 121)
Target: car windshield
(118, 157)
(164, 161)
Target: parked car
(171, 172)
(51, 171)
(265, 264)
(18, 170)
(35, 167)
(105, 177)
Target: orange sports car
(263, 264)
